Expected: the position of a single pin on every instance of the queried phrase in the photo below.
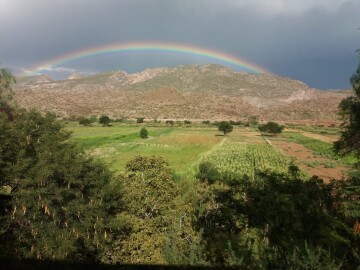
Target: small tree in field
(104, 120)
(272, 128)
(84, 121)
(140, 120)
(225, 127)
(144, 133)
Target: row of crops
(239, 159)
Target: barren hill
(210, 92)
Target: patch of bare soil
(303, 157)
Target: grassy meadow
(117, 144)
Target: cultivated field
(241, 152)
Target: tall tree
(159, 225)
(6, 93)
(104, 120)
(272, 128)
(349, 109)
(57, 203)
(349, 142)
(225, 127)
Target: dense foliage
(225, 127)
(144, 133)
(277, 221)
(55, 203)
(350, 112)
(159, 222)
(349, 195)
(104, 120)
(272, 128)
(140, 120)
(6, 94)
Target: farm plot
(116, 145)
(237, 159)
(319, 147)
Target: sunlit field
(241, 152)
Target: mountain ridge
(196, 92)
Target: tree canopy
(104, 120)
(143, 133)
(225, 127)
(6, 93)
(57, 203)
(271, 127)
(349, 109)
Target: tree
(349, 110)
(348, 192)
(6, 78)
(6, 94)
(225, 127)
(271, 127)
(276, 221)
(140, 120)
(84, 121)
(144, 133)
(104, 120)
(208, 172)
(58, 203)
(158, 222)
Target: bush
(144, 133)
(84, 121)
(140, 120)
(225, 127)
(235, 123)
(208, 172)
(104, 120)
(271, 127)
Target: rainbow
(148, 47)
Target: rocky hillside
(210, 92)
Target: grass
(116, 145)
(318, 129)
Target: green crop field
(116, 145)
(239, 153)
(239, 159)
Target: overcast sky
(309, 40)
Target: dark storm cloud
(314, 41)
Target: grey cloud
(308, 40)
